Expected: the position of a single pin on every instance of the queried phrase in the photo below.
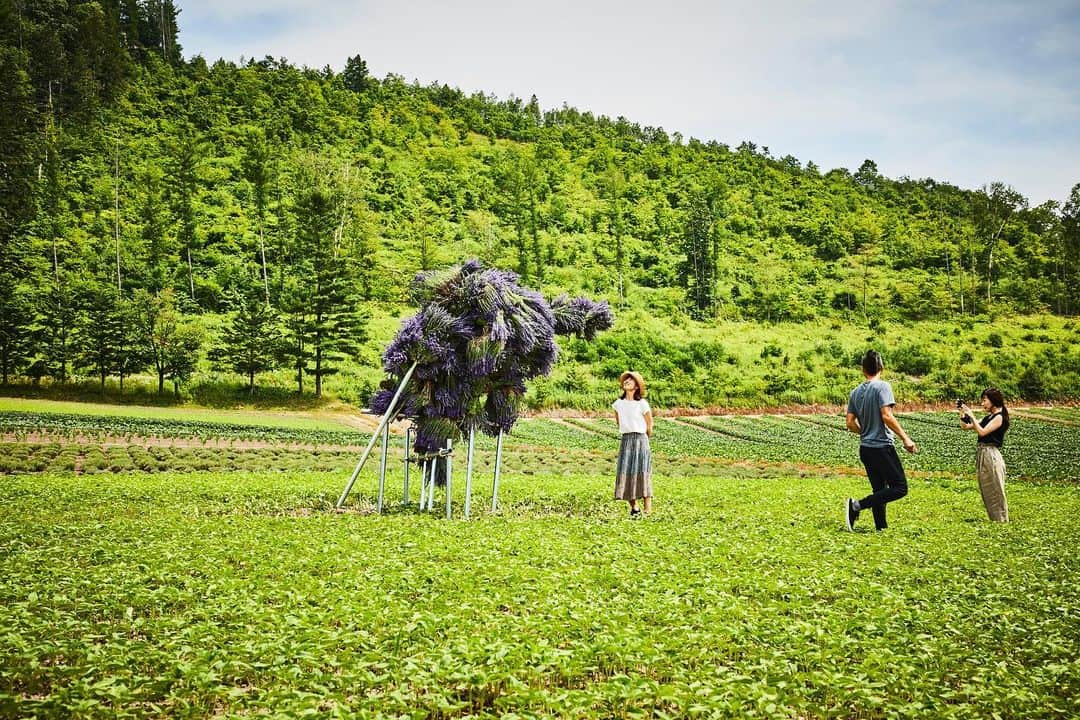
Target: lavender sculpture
(478, 338)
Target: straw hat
(637, 378)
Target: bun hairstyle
(639, 391)
(872, 363)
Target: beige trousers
(990, 468)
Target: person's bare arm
(991, 426)
(648, 423)
(893, 424)
(853, 423)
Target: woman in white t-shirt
(633, 471)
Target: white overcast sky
(963, 91)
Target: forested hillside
(219, 229)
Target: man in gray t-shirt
(870, 414)
(865, 403)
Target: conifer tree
(16, 317)
(323, 320)
(99, 336)
(249, 342)
(259, 171)
(698, 269)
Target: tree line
(157, 210)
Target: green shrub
(771, 350)
(1032, 383)
(911, 360)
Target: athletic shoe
(635, 513)
(850, 514)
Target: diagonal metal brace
(390, 410)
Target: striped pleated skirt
(633, 471)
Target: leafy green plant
(210, 594)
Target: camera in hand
(966, 416)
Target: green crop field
(201, 580)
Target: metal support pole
(424, 468)
(408, 442)
(449, 475)
(468, 472)
(431, 484)
(382, 467)
(498, 467)
(390, 409)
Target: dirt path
(579, 428)
(1034, 415)
(702, 428)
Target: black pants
(886, 478)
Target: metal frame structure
(384, 422)
(428, 464)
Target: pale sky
(963, 91)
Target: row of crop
(23, 458)
(1069, 414)
(98, 426)
(16, 458)
(754, 440)
(1034, 449)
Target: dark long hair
(998, 400)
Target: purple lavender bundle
(479, 336)
(581, 316)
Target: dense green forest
(211, 231)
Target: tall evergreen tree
(259, 170)
(294, 351)
(19, 141)
(698, 269)
(187, 153)
(250, 341)
(328, 296)
(56, 262)
(99, 336)
(16, 331)
(157, 244)
(356, 75)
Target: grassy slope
(814, 364)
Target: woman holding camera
(989, 465)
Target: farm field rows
(1043, 450)
(213, 595)
(142, 581)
